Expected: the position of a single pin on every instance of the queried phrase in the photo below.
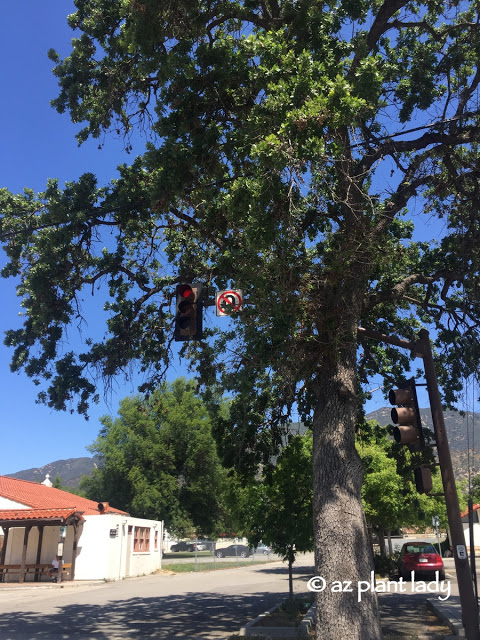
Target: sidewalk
(449, 612)
(71, 584)
(410, 617)
(432, 620)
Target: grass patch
(186, 554)
(184, 567)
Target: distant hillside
(70, 471)
(458, 438)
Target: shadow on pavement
(308, 572)
(408, 614)
(195, 616)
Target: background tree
(382, 495)
(277, 509)
(159, 461)
(288, 141)
(475, 491)
(389, 493)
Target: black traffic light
(407, 416)
(423, 479)
(188, 314)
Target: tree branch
(378, 28)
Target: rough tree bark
(342, 547)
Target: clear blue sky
(37, 143)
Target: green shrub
(385, 565)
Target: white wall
(476, 535)
(6, 503)
(51, 537)
(99, 556)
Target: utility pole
(422, 349)
(464, 577)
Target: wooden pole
(5, 542)
(422, 349)
(76, 526)
(4, 550)
(24, 553)
(464, 578)
(40, 528)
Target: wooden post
(24, 553)
(40, 528)
(74, 548)
(4, 550)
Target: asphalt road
(202, 605)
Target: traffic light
(188, 315)
(423, 479)
(407, 416)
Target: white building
(38, 522)
(476, 528)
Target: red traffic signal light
(188, 314)
(407, 416)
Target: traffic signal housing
(407, 416)
(188, 313)
(423, 479)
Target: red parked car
(421, 557)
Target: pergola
(28, 519)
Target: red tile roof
(35, 514)
(475, 507)
(39, 496)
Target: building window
(156, 539)
(141, 539)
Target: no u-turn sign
(228, 302)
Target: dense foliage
(277, 162)
(277, 508)
(294, 146)
(389, 495)
(159, 461)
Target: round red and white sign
(228, 302)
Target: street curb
(302, 630)
(244, 631)
(49, 585)
(454, 625)
(308, 621)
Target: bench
(67, 569)
(8, 568)
(38, 570)
(46, 569)
(35, 569)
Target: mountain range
(69, 471)
(463, 431)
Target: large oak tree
(293, 147)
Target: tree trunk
(390, 545)
(343, 554)
(290, 573)
(381, 542)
